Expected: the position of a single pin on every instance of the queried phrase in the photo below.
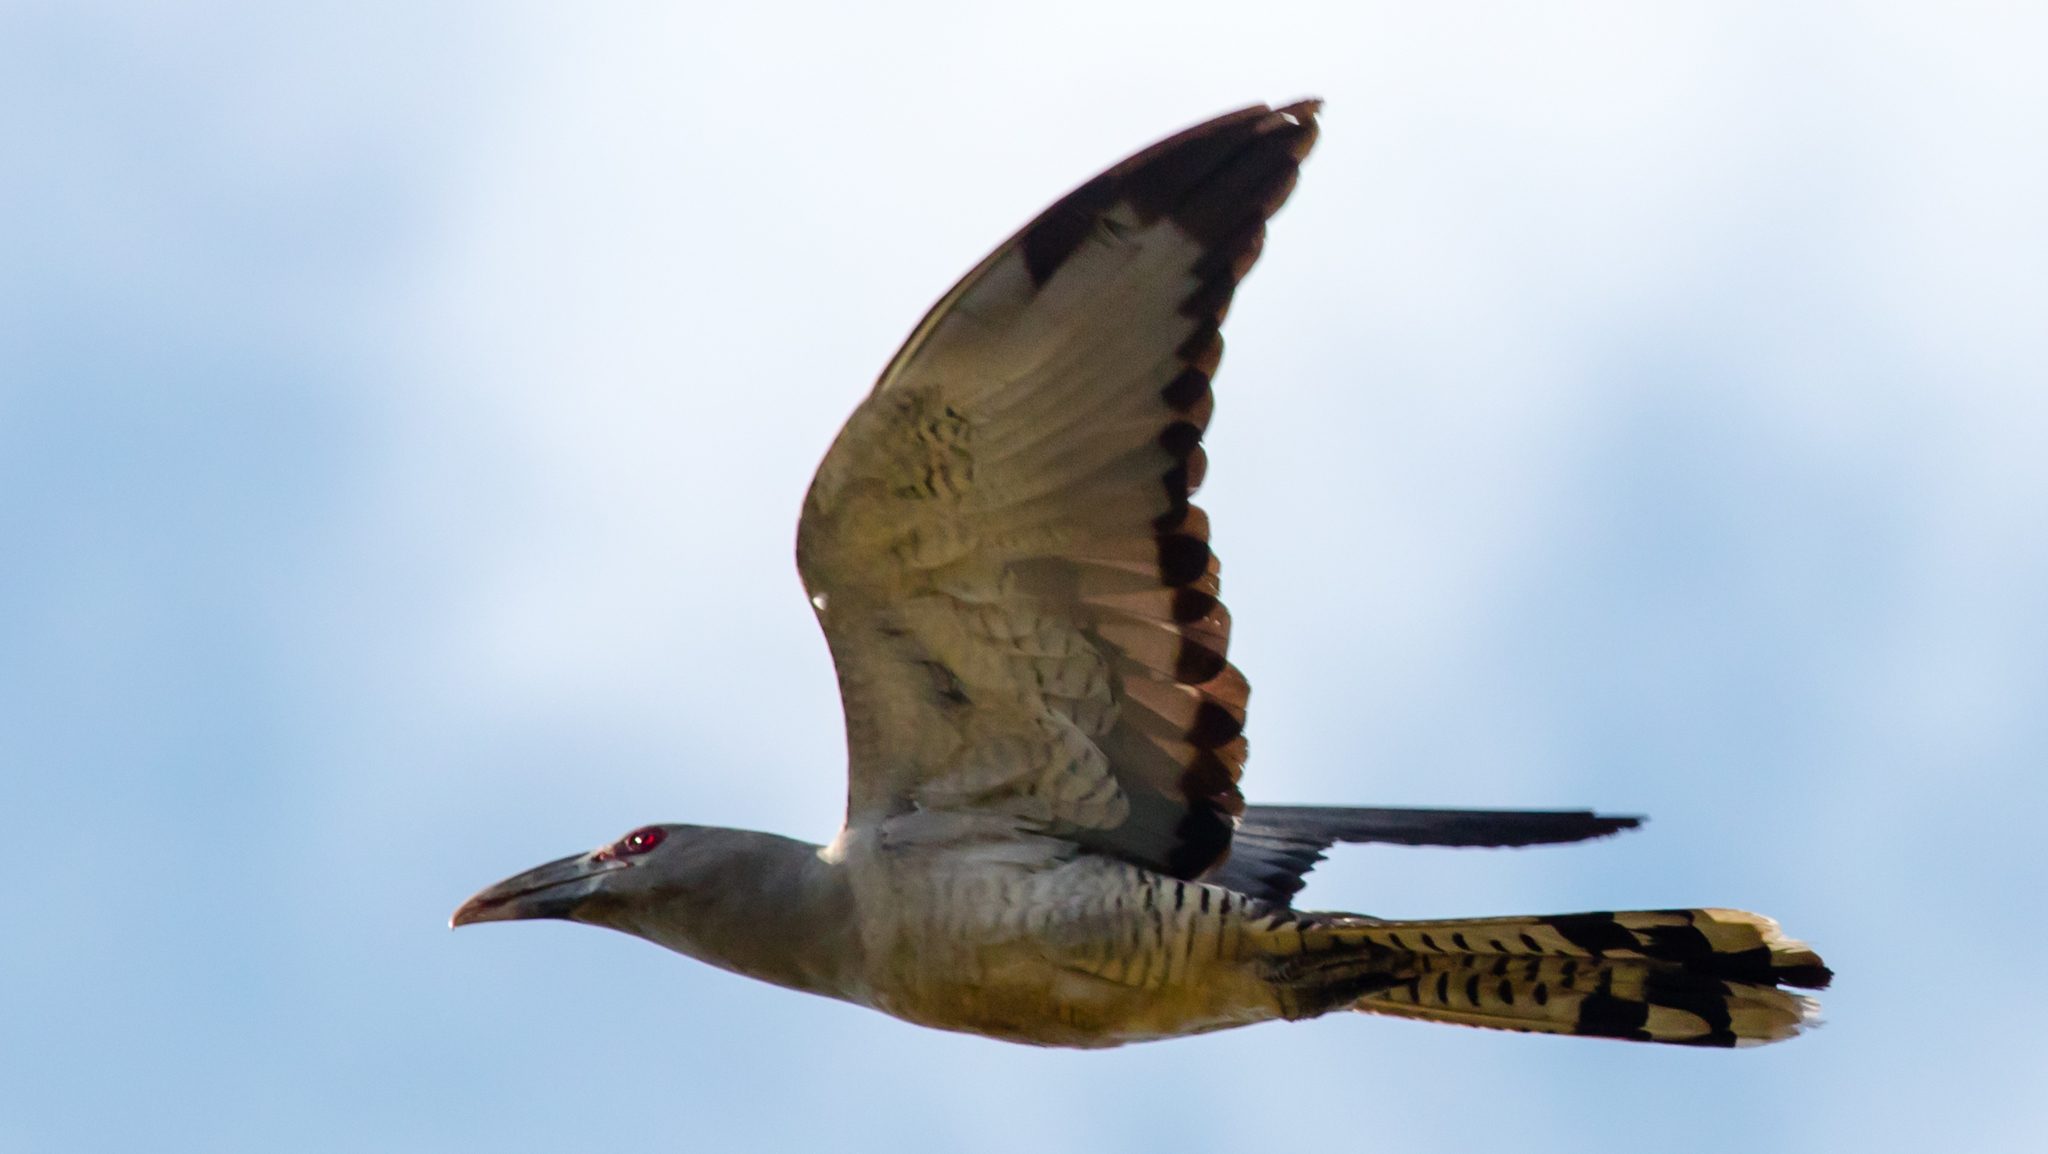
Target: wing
(1277, 845)
(1020, 601)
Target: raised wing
(1021, 602)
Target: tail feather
(1689, 977)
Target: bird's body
(990, 935)
(1045, 841)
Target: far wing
(1277, 845)
(1020, 600)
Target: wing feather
(1277, 845)
(1021, 600)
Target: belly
(1058, 949)
(1035, 1000)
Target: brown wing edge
(1218, 182)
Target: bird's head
(732, 897)
(594, 887)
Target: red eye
(642, 840)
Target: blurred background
(404, 412)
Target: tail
(1687, 977)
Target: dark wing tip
(1217, 179)
(1512, 829)
(1441, 827)
(1605, 825)
(1807, 977)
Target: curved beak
(553, 890)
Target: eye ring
(641, 840)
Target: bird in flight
(1045, 841)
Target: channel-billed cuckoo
(1045, 841)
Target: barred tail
(1688, 977)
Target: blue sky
(404, 412)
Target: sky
(405, 408)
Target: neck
(756, 904)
